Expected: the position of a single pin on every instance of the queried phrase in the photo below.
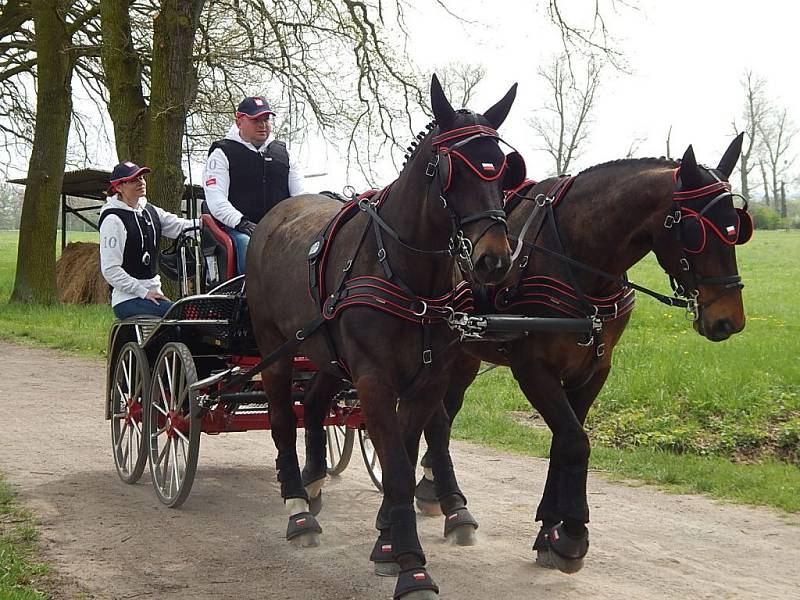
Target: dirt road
(112, 540)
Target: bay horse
(369, 297)
(576, 238)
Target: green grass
(722, 419)
(79, 329)
(18, 545)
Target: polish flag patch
(453, 517)
(258, 101)
(731, 230)
(386, 548)
(212, 181)
(419, 576)
(301, 521)
(487, 166)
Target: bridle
(444, 147)
(689, 219)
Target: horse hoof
(460, 527)
(387, 569)
(429, 509)
(566, 551)
(565, 565)
(303, 530)
(315, 504)
(419, 595)
(543, 559)
(306, 540)
(463, 536)
(415, 584)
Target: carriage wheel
(173, 432)
(340, 444)
(128, 432)
(370, 458)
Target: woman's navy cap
(253, 107)
(126, 171)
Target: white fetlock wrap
(295, 506)
(428, 473)
(315, 487)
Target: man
(130, 230)
(245, 176)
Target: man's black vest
(141, 238)
(257, 181)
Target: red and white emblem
(386, 548)
(731, 230)
(258, 101)
(488, 166)
(419, 576)
(301, 521)
(212, 181)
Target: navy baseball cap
(126, 171)
(253, 107)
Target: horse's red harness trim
(463, 132)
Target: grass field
(723, 418)
(18, 537)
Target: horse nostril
(722, 330)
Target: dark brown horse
(381, 281)
(607, 219)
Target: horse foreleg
(303, 528)
(316, 405)
(400, 542)
(567, 541)
(581, 400)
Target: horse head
(469, 172)
(697, 246)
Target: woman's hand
(154, 296)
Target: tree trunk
(35, 276)
(123, 72)
(783, 200)
(743, 171)
(173, 89)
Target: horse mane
(417, 141)
(623, 162)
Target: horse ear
(442, 110)
(498, 113)
(731, 156)
(690, 174)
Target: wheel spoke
(159, 409)
(122, 394)
(166, 481)
(119, 416)
(126, 374)
(161, 454)
(180, 434)
(175, 463)
(163, 396)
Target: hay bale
(78, 276)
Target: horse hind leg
(316, 405)
(303, 529)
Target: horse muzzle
(492, 267)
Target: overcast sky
(685, 58)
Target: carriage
(166, 378)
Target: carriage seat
(217, 248)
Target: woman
(130, 232)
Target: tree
(55, 23)
(459, 81)
(777, 132)
(565, 126)
(754, 112)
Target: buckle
(673, 219)
(430, 170)
(427, 357)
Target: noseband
(689, 221)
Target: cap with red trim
(253, 107)
(126, 171)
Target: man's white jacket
(217, 181)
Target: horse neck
(413, 209)
(614, 228)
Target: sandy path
(116, 541)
